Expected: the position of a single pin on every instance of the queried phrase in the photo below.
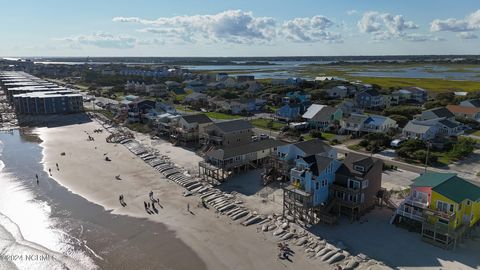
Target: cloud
(385, 26)
(102, 40)
(310, 30)
(352, 12)
(467, 35)
(229, 26)
(470, 23)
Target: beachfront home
(472, 113)
(369, 99)
(283, 160)
(314, 175)
(191, 128)
(139, 107)
(252, 153)
(195, 99)
(357, 185)
(378, 124)
(442, 206)
(322, 116)
(418, 94)
(230, 133)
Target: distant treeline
(336, 60)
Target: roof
(234, 125)
(432, 179)
(457, 189)
(441, 112)
(449, 123)
(462, 109)
(354, 159)
(313, 110)
(319, 163)
(229, 152)
(197, 118)
(415, 127)
(376, 120)
(356, 118)
(372, 92)
(312, 147)
(475, 102)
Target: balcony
(297, 173)
(410, 212)
(417, 202)
(214, 138)
(346, 190)
(440, 214)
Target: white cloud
(229, 26)
(352, 12)
(467, 35)
(310, 30)
(470, 23)
(102, 40)
(385, 26)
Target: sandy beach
(218, 243)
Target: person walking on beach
(50, 171)
(148, 205)
(188, 207)
(36, 175)
(57, 167)
(37, 182)
(145, 204)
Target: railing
(296, 172)
(440, 214)
(215, 138)
(414, 214)
(345, 189)
(415, 202)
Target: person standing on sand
(145, 204)
(37, 182)
(57, 167)
(36, 175)
(188, 207)
(148, 205)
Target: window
(317, 185)
(365, 184)
(359, 168)
(444, 207)
(353, 184)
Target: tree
(400, 119)
(407, 111)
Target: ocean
(31, 237)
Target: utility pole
(426, 157)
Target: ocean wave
(28, 238)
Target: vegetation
(222, 116)
(415, 151)
(462, 148)
(267, 124)
(401, 119)
(375, 142)
(407, 111)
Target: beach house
(191, 128)
(472, 113)
(283, 160)
(322, 116)
(442, 206)
(369, 99)
(357, 185)
(229, 133)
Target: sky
(238, 27)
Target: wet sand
(217, 242)
(111, 241)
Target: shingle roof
(414, 127)
(458, 190)
(462, 109)
(234, 125)
(319, 163)
(312, 147)
(356, 118)
(372, 92)
(442, 112)
(356, 159)
(475, 102)
(229, 152)
(376, 120)
(197, 118)
(448, 123)
(432, 179)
